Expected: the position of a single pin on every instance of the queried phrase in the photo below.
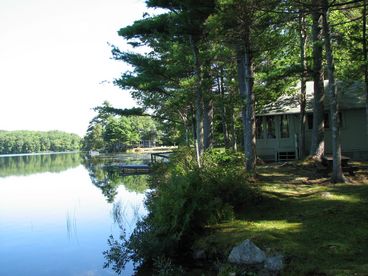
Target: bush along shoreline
(183, 201)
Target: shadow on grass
(322, 230)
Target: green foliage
(113, 131)
(164, 267)
(24, 141)
(185, 200)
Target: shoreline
(38, 153)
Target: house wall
(354, 140)
(268, 147)
(353, 135)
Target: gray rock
(274, 263)
(199, 254)
(247, 253)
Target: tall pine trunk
(207, 122)
(221, 89)
(234, 139)
(245, 76)
(303, 80)
(318, 133)
(365, 59)
(198, 103)
(337, 174)
(208, 109)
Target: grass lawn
(320, 228)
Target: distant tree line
(115, 130)
(24, 141)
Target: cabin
(278, 124)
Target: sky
(55, 61)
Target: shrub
(186, 199)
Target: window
(271, 131)
(310, 121)
(259, 127)
(284, 126)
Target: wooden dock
(162, 155)
(135, 169)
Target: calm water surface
(58, 211)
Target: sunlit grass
(346, 198)
(320, 228)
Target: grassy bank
(320, 228)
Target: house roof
(349, 96)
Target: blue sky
(54, 59)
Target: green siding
(354, 141)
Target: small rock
(274, 263)
(199, 255)
(247, 253)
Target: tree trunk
(207, 123)
(365, 59)
(234, 140)
(337, 174)
(303, 80)
(186, 125)
(206, 85)
(194, 126)
(245, 76)
(198, 103)
(318, 144)
(221, 89)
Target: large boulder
(247, 253)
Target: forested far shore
(26, 141)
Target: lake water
(57, 213)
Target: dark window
(310, 121)
(271, 131)
(284, 126)
(259, 127)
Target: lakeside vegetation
(290, 209)
(26, 141)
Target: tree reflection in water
(31, 164)
(106, 175)
(117, 255)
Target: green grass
(320, 228)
